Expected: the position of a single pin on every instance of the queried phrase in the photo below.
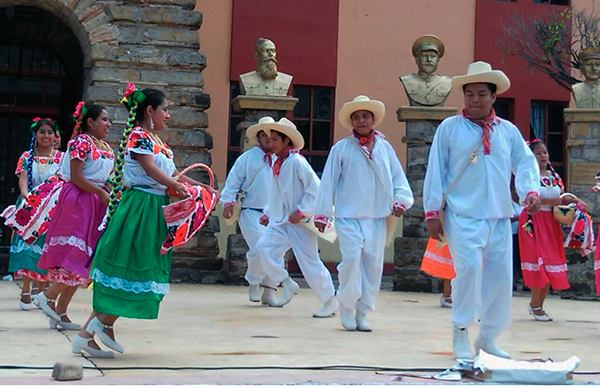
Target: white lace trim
(548, 268)
(128, 285)
(596, 265)
(26, 247)
(438, 258)
(72, 241)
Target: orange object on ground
(437, 261)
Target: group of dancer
(84, 214)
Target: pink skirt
(543, 258)
(72, 236)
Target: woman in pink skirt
(541, 239)
(73, 230)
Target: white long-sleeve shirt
(252, 175)
(293, 189)
(483, 189)
(351, 184)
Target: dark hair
(536, 143)
(137, 112)
(492, 87)
(32, 146)
(154, 98)
(93, 112)
(283, 137)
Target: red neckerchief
(486, 125)
(281, 157)
(268, 156)
(363, 140)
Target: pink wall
(215, 43)
(374, 49)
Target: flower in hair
(130, 90)
(132, 95)
(79, 110)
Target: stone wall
(421, 124)
(153, 43)
(583, 160)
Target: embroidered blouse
(98, 163)
(140, 142)
(549, 188)
(43, 166)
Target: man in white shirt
(251, 174)
(294, 185)
(470, 164)
(364, 179)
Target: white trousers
(482, 255)
(273, 244)
(252, 230)
(362, 242)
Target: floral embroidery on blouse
(83, 145)
(551, 181)
(141, 141)
(23, 163)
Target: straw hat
(481, 72)
(284, 126)
(361, 103)
(426, 43)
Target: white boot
(268, 297)
(328, 309)
(254, 293)
(348, 319)
(290, 288)
(460, 344)
(489, 346)
(361, 322)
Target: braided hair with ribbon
(137, 102)
(83, 112)
(35, 126)
(556, 179)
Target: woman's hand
(181, 189)
(104, 197)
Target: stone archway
(153, 43)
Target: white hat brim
(373, 106)
(252, 132)
(294, 135)
(495, 77)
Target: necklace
(159, 142)
(101, 144)
(42, 168)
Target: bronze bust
(587, 94)
(427, 88)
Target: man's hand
(320, 226)
(264, 220)
(398, 211)
(295, 218)
(228, 212)
(532, 204)
(435, 229)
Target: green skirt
(130, 275)
(25, 256)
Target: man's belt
(252, 208)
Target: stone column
(253, 108)
(583, 160)
(421, 124)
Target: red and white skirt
(543, 258)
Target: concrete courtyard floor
(216, 326)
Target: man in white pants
(478, 205)
(365, 181)
(251, 174)
(292, 194)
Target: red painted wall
(526, 84)
(305, 33)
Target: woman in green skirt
(130, 276)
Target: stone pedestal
(583, 160)
(253, 108)
(421, 124)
